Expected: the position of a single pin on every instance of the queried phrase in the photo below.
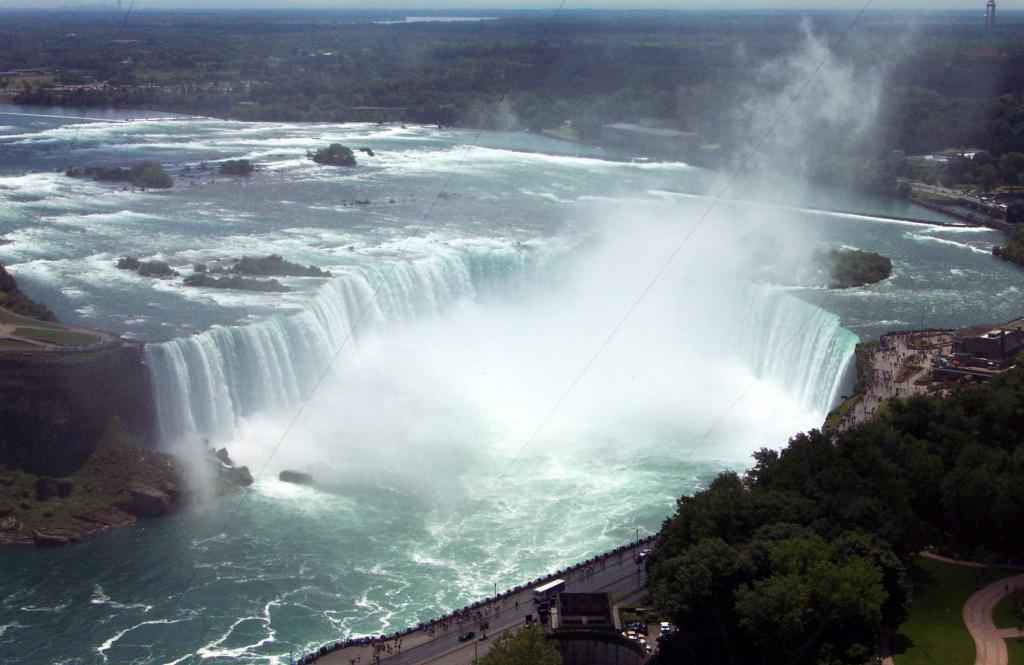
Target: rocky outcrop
(229, 476)
(145, 501)
(51, 539)
(296, 477)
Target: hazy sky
(513, 4)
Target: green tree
(813, 586)
(525, 647)
(150, 175)
(988, 177)
(333, 155)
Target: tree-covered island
(144, 175)
(849, 268)
(333, 155)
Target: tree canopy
(334, 155)
(524, 647)
(803, 559)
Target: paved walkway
(895, 367)
(990, 641)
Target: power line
(675, 253)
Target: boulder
(145, 501)
(46, 488)
(50, 539)
(238, 476)
(223, 456)
(9, 523)
(297, 477)
(106, 516)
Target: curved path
(990, 641)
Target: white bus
(548, 591)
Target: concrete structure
(595, 647)
(995, 349)
(651, 140)
(586, 628)
(592, 611)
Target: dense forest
(803, 559)
(945, 82)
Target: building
(990, 15)
(589, 610)
(584, 627)
(995, 349)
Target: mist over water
(484, 315)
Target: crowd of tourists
(893, 366)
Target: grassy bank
(934, 631)
(1009, 613)
(116, 466)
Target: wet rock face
(238, 476)
(145, 501)
(46, 488)
(51, 539)
(55, 409)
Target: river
(457, 439)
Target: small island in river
(849, 268)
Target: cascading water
(204, 383)
(801, 347)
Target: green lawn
(14, 345)
(1008, 612)
(934, 632)
(11, 317)
(56, 336)
(1016, 649)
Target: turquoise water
(443, 468)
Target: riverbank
(898, 365)
(618, 572)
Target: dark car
(467, 636)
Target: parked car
(467, 636)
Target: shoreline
(438, 636)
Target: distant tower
(990, 15)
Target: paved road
(616, 573)
(990, 641)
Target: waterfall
(800, 346)
(204, 383)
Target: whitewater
(412, 382)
